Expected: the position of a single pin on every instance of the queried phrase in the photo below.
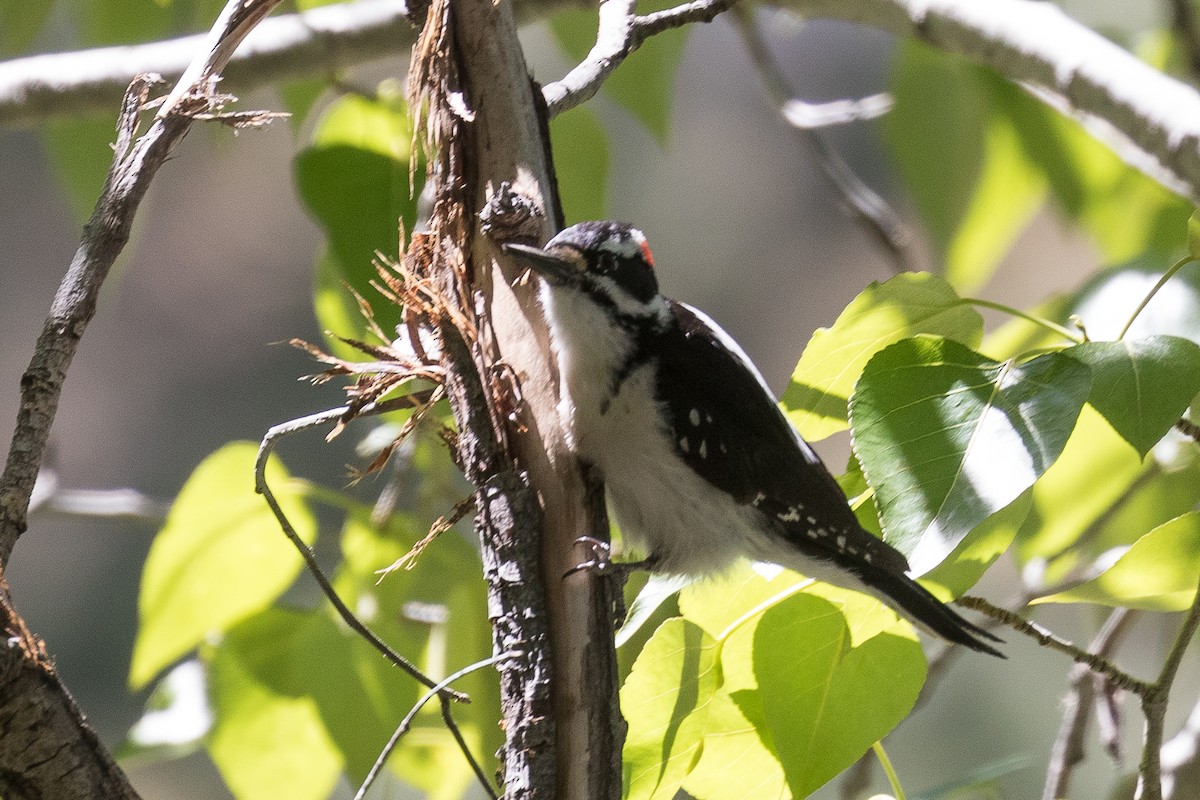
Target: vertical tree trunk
(559, 696)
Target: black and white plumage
(701, 465)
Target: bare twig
(1097, 663)
(47, 749)
(261, 486)
(1068, 750)
(1037, 44)
(1154, 706)
(867, 206)
(619, 34)
(406, 724)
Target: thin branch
(310, 559)
(406, 724)
(1154, 706)
(47, 749)
(1037, 44)
(1118, 677)
(320, 41)
(1068, 750)
(619, 34)
(867, 206)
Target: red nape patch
(646, 254)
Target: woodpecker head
(609, 263)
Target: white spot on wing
(694, 416)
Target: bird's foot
(618, 572)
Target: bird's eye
(606, 263)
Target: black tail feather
(918, 605)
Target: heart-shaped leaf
(1141, 386)
(884, 313)
(829, 702)
(948, 437)
(1159, 572)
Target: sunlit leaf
(220, 557)
(829, 701)
(1141, 386)
(1158, 573)
(948, 437)
(266, 743)
(666, 698)
(977, 551)
(1095, 470)
(884, 313)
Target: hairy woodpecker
(701, 465)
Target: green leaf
(1095, 471)
(884, 313)
(954, 136)
(666, 698)
(736, 759)
(20, 22)
(978, 550)
(435, 615)
(1193, 234)
(1141, 386)
(266, 743)
(1158, 573)
(581, 163)
(219, 559)
(81, 153)
(299, 96)
(830, 701)
(354, 181)
(645, 82)
(948, 437)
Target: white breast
(662, 507)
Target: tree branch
(1068, 748)
(1035, 43)
(47, 748)
(320, 41)
(863, 202)
(619, 34)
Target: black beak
(554, 269)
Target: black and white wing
(727, 427)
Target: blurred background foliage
(254, 240)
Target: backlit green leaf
(884, 313)
(267, 743)
(220, 558)
(1158, 573)
(830, 701)
(1141, 386)
(954, 136)
(1193, 234)
(948, 437)
(666, 699)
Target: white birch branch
(322, 40)
(1035, 43)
